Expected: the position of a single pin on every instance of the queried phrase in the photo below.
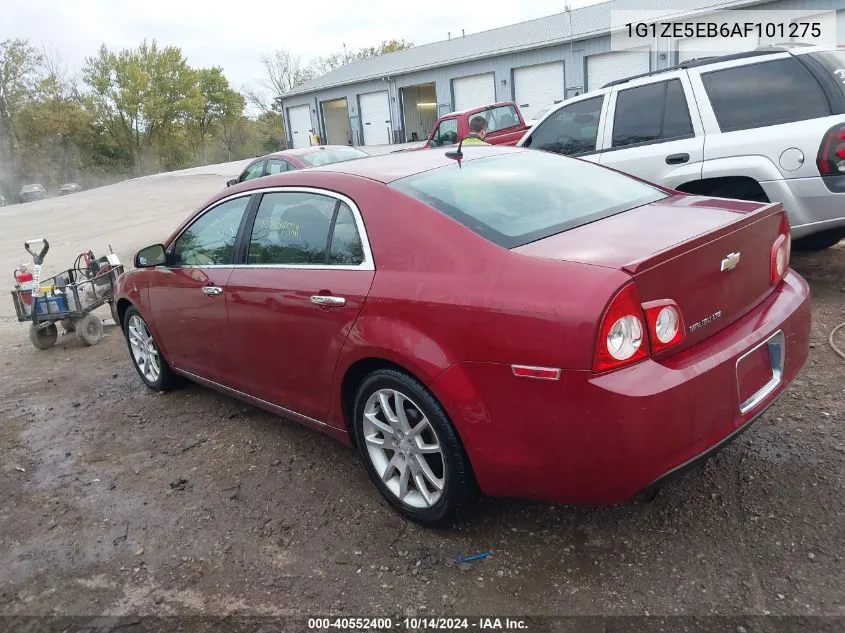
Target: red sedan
(293, 159)
(519, 323)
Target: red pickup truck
(505, 125)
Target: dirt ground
(120, 501)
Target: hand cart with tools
(68, 298)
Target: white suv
(765, 125)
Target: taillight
(665, 324)
(781, 251)
(622, 338)
(831, 157)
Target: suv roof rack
(702, 61)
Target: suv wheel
(819, 241)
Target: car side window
(210, 240)
(571, 130)
(499, 118)
(253, 171)
(346, 247)
(446, 133)
(291, 228)
(768, 93)
(275, 166)
(651, 113)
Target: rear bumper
(811, 205)
(602, 439)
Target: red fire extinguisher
(23, 278)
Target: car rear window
(333, 155)
(763, 94)
(517, 198)
(834, 63)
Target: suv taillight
(781, 251)
(831, 158)
(622, 337)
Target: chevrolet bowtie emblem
(730, 262)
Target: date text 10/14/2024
(417, 624)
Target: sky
(234, 35)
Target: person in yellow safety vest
(315, 140)
(477, 131)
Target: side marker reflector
(540, 373)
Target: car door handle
(676, 159)
(326, 300)
(212, 291)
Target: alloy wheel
(404, 448)
(144, 349)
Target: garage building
(397, 98)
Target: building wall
(573, 54)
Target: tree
(211, 101)
(233, 133)
(283, 72)
(19, 64)
(323, 65)
(139, 95)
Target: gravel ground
(119, 501)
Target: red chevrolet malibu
(514, 323)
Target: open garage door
(419, 111)
(300, 125)
(474, 91)
(607, 67)
(535, 88)
(375, 117)
(713, 46)
(336, 122)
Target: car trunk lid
(711, 256)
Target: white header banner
(723, 31)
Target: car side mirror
(231, 182)
(150, 256)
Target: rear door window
(275, 166)
(499, 118)
(572, 130)
(651, 113)
(768, 93)
(304, 229)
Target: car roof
(498, 104)
(794, 48)
(301, 151)
(389, 167)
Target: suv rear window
(833, 63)
(651, 113)
(768, 93)
(517, 198)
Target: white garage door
(538, 87)
(607, 67)
(474, 91)
(375, 116)
(713, 46)
(300, 125)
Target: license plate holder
(759, 371)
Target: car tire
(149, 362)
(406, 458)
(819, 241)
(89, 329)
(44, 338)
